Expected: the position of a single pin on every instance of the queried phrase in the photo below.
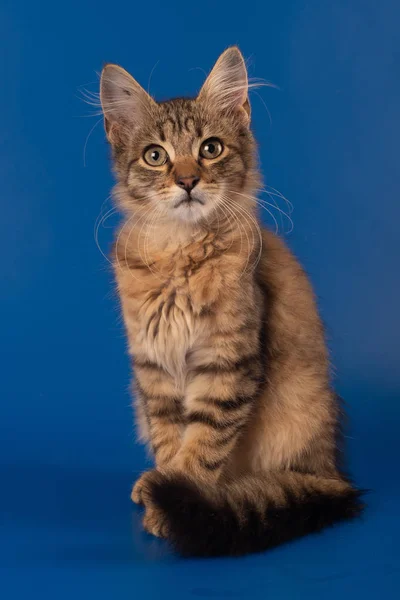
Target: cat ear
(226, 87)
(124, 102)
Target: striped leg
(219, 398)
(163, 408)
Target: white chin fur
(190, 213)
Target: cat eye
(211, 148)
(155, 156)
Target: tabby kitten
(231, 369)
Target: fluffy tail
(253, 514)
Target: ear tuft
(226, 87)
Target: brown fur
(232, 372)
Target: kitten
(231, 368)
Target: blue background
(67, 448)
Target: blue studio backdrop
(328, 138)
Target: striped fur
(233, 392)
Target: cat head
(182, 158)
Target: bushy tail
(253, 514)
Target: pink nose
(187, 183)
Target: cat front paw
(155, 522)
(141, 490)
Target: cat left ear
(124, 102)
(226, 87)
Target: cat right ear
(226, 87)
(124, 102)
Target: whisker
(259, 202)
(99, 221)
(151, 75)
(157, 211)
(100, 215)
(248, 243)
(131, 230)
(126, 244)
(224, 202)
(154, 212)
(247, 214)
(228, 218)
(265, 105)
(264, 203)
(87, 139)
(265, 208)
(250, 219)
(278, 194)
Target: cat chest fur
(168, 327)
(169, 306)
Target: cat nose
(187, 183)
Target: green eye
(155, 156)
(211, 148)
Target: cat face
(180, 159)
